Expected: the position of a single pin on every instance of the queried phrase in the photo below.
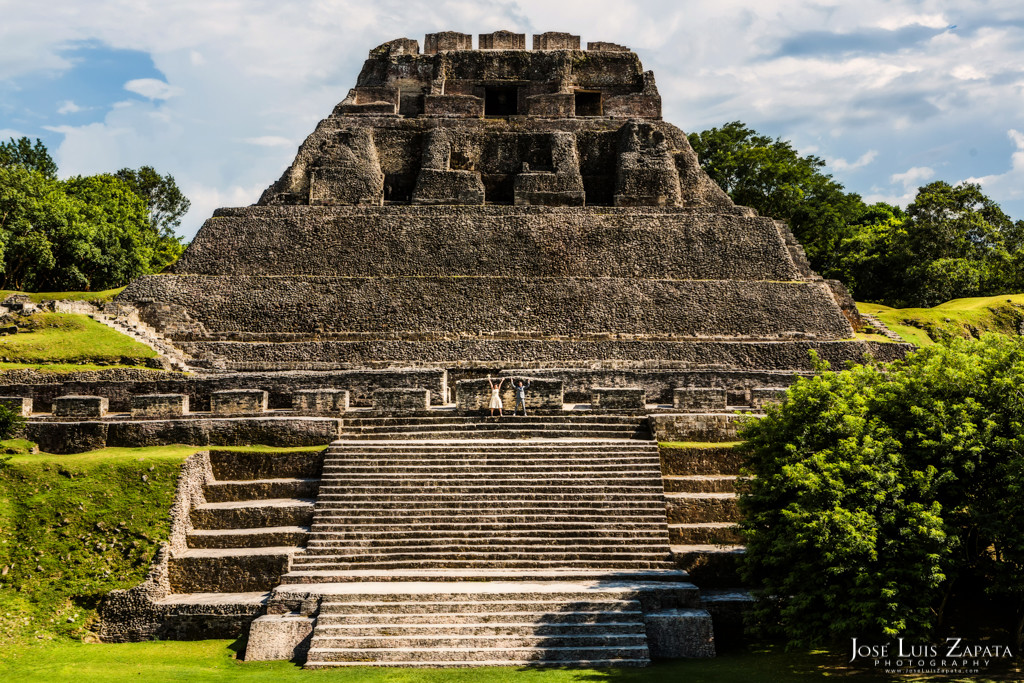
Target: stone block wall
(607, 399)
(401, 400)
(238, 402)
(320, 401)
(80, 406)
(697, 427)
(543, 395)
(17, 405)
(762, 396)
(159, 405)
(699, 399)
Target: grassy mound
(957, 318)
(66, 338)
(103, 297)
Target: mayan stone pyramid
(501, 208)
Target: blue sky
(892, 93)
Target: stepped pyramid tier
(496, 206)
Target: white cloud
(1009, 185)
(152, 88)
(912, 177)
(8, 133)
(68, 107)
(863, 160)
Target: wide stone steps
(521, 562)
(442, 434)
(511, 524)
(482, 469)
(355, 426)
(248, 538)
(462, 631)
(239, 490)
(402, 533)
(509, 540)
(477, 575)
(562, 419)
(275, 512)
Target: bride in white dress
(496, 396)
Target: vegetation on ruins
(950, 242)
(70, 338)
(85, 232)
(880, 498)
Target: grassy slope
(69, 338)
(957, 318)
(73, 527)
(96, 297)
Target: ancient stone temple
(465, 214)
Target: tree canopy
(950, 242)
(877, 496)
(83, 233)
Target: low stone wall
(608, 399)
(320, 401)
(80, 406)
(238, 402)
(697, 426)
(17, 405)
(542, 395)
(159, 405)
(401, 400)
(77, 437)
(699, 399)
(118, 386)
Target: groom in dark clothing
(520, 396)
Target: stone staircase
(460, 541)
(125, 319)
(479, 629)
(256, 515)
(700, 490)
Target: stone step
(702, 460)
(482, 469)
(476, 419)
(462, 641)
(372, 525)
(239, 465)
(498, 551)
(705, 533)
(674, 579)
(252, 514)
(238, 490)
(398, 533)
(689, 508)
(501, 496)
(248, 538)
(522, 424)
(700, 483)
(714, 566)
(587, 433)
(535, 445)
(453, 664)
(435, 564)
(537, 487)
(615, 655)
(417, 542)
(228, 570)
(524, 624)
(473, 606)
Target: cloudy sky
(892, 93)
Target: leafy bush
(877, 494)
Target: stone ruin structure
(463, 214)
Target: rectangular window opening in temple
(588, 103)
(501, 100)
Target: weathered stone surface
(80, 406)
(320, 401)
(159, 405)
(401, 400)
(542, 394)
(238, 402)
(279, 636)
(17, 405)
(610, 399)
(699, 399)
(762, 396)
(697, 426)
(77, 437)
(676, 633)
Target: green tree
(35, 157)
(877, 496)
(165, 203)
(773, 178)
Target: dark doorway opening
(588, 103)
(501, 100)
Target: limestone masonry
(463, 217)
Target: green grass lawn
(957, 318)
(66, 338)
